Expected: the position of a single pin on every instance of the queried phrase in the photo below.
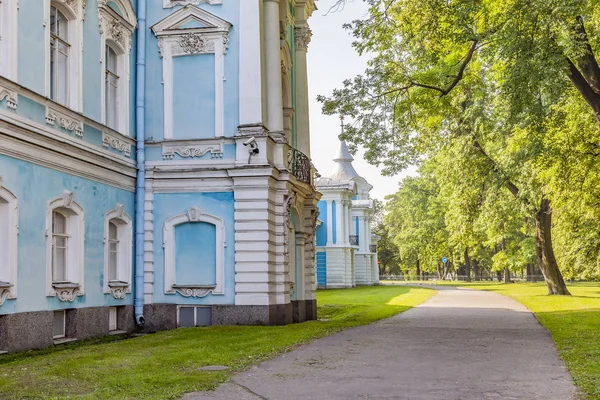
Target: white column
(273, 63)
(339, 219)
(251, 96)
(329, 223)
(302, 35)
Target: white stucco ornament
(173, 3)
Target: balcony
(300, 166)
(354, 240)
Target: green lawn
(573, 322)
(165, 365)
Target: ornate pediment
(190, 19)
(173, 3)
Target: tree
(495, 74)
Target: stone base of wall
(33, 330)
(276, 314)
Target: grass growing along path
(166, 364)
(573, 321)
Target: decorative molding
(9, 93)
(173, 3)
(67, 199)
(175, 40)
(192, 151)
(302, 36)
(65, 121)
(4, 292)
(118, 289)
(116, 143)
(77, 7)
(193, 290)
(193, 214)
(67, 291)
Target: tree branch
(590, 96)
(512, 188)
(587, 63)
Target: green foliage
(166, 364)
(498, 101)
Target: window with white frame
(59, 325)
(117, 23)
(111, 87)
(8, 244)
(8, 39)
(65, 251)
(64, 51)
(118, 244)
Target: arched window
(118, 244)
(8, 244)
(8, 44)
(117, 23)
(64, 248)
(64, 51)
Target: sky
(331, 59)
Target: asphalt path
(460, 344)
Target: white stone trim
(194, 214)
(173, 41)
(192, 149)
(74, 11)
(173, 3)
(66, 119)
(9, 261)
(117, 31)
(125, 233)
(75, 252)
(9, 33)
(149, 244)
(9, 92)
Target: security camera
(253, 149)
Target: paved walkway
(461, 344)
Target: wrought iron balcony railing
(354, 240)
(373, 248)
(300, 166)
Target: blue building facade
(154, 167)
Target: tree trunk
(439, 271)
(476, 269)
(545, 252)
(529, 273)
(467, 265)
(506, 275)
(499, 276)
(418, 269)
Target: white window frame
(74, 11)
(75, 252)
(176, 41)
(116, 31)
(8, 38)
(194, 214)
(125, 251)
(8, 260)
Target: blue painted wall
(194, 97)
(357, 230)
(333, 221)
(322, 229)
(321, 269)
(195, 259)
(218, 204)
(34, 187)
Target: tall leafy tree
(493, 71)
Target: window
(190, 316)
(8, 244)
(117, 25)
(8, 39)
(64, 251)
(59, 56)
(112, 319)
(60, 240)
(118, 250)
(58, 331)
(64, 49)
(111, 88)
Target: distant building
(346, 250)
(154, 167)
